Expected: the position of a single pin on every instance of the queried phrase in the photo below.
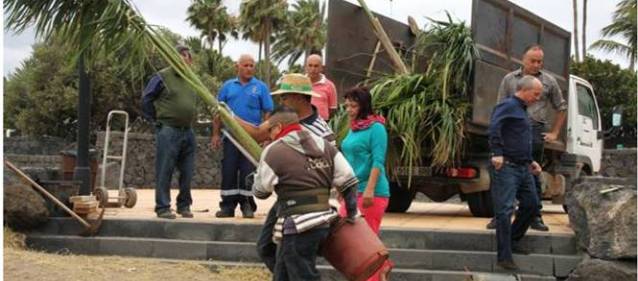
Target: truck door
(586, 126)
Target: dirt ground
(23, 264)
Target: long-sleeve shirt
(366, 149)
(150, 93)
(510, 132)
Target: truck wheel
(400, 198)
(480, 204)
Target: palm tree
(623, 25)
(88, 27)
(259, 19)
(212, 19)
(107, 27)
(305, 32)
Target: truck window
(587, 105)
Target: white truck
(501, 31)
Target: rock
(603, 270)
(604, 223)
(24, 208)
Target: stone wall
(44, 145)
(619, 163)
(140, 162)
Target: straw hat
(295, 83)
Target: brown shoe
(507, 265)
(186, 214)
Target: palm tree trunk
(267, 53)
(584, 30)
(219, 42)
(576, 46)
(210, 40)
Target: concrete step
(432, 239)
(408, 259)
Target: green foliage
(261, 67)
(212, 20)
(624, 26)
(425, 112)
(41, 97)
(612, 85)
(304, 32)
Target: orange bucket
(354, 249)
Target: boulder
(24, 208)
(602, 212)
(603, 270)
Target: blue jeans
(297, 255)
(266, 248)
(235, 168)
(175, 147)
(511, 182)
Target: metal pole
(82, 170)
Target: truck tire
(480, 204)
(400, 198)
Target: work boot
(247, 211)
(167, 214)
(491, 224)
(224, 214)
(538, 224)
(507, 265)
(186, 213)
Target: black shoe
(222, 214)
(538, 224)
(492, 224)
(507, 265)
(247, 211)
(166, 215)
(520, 249)
(186, 214)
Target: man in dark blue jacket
(510, 139)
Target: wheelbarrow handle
(46, 193)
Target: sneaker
(186, 214)
(507, 265)
(491, 224)
(538, 224)
(520, 249)
(166, 215)
(222, 214)
(247, 211)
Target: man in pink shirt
(326, 104)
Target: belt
(517, 162)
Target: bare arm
(368, 193)
(559, 120)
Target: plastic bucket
(354, 249)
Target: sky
(172, 14)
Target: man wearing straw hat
(249, 98)
(295, 92)
(301, 168)
(169, 103)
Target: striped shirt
(318, 127)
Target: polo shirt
(247, 101)
(328, 96)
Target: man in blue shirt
(249, 99)
(510, 139)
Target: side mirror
(616, 116)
